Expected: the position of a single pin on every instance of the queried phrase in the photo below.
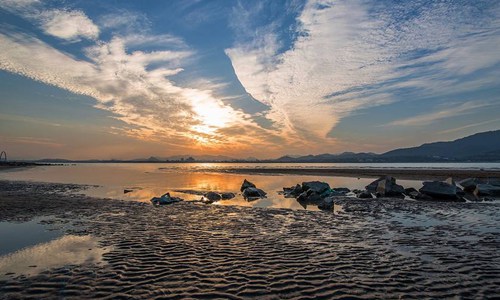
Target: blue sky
(107, 79)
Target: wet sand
(378, 248)
(400, 173)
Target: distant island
(480, 147)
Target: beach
(378, 248)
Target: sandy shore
(410, 174)
(377, 248)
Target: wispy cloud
(352, 55)
(136, 87)
(428, 118)
(469, 126)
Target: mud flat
(400, 173)
(378, 248)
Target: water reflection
(148, 180)
(67, 250)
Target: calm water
(150, 180)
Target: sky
(131, 79)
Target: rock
(246, 184)
(364, 195)
(253, 193)
(315, 186)
(227, 196)
(386, 187)
(165, 199)
(212, 196)
(326, 204)
(342, 190)
(292, 192)
(423, 197)
(469, 184)
(411, 192)
(439, 190)
(310, 197)
(494, 181)
(126, 191)
(487, 190)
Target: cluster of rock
(165, 199)
(474, 189)
(316, 193)
(213, 196)
(250, 192)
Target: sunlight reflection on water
(152, 180)
(67, 250)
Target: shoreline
(399, 173)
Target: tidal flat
(367, 248)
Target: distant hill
(483, 146)
(480, 146)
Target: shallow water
(151, 180)
(60, 252)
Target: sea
(142, 181)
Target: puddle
(15, 236)
(67, 250)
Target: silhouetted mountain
(483, 146)
(480, 146)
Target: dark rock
(469, 184)
(253, 193)
(310, 197)
(212, 196)
(227, 196)
(165, 199)
(423, 197)
(494, 181)
(315, 186)
(386, 187)
(127, 191)
(293, 192)
(411, 192)
(439, 190)
(487, 190)
(364, 195)
(326, 204)
(246, 184)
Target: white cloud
(448, 112)
(70, 25)
(349, 56)
(127, 85)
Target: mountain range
(480, 147)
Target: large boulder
(487, 190)
(470, 184)
(310, 197)
(315, 186)
(386, 186)
(292, 192)
(253, 193)
(439, 190)
(212, 196)
(246, 184)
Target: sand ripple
(374, 249)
